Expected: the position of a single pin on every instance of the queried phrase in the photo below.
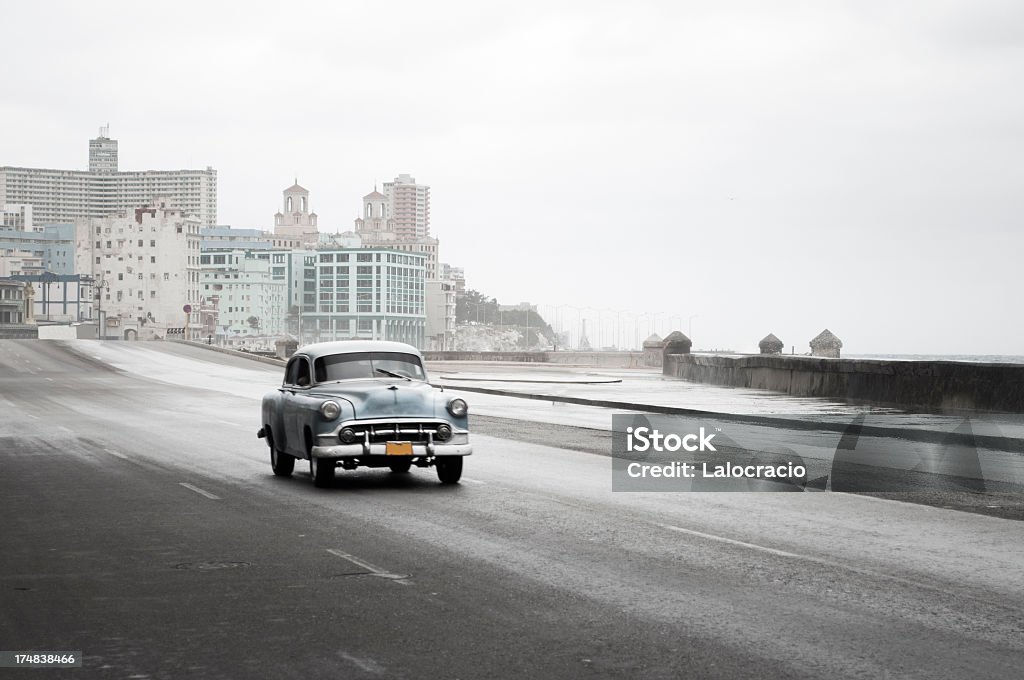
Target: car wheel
(322, 471)
(281, 463)
(449, 469)
(401, 465)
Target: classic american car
(353, 404)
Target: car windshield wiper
(393, 375)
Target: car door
(293, 397)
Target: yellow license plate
(398, 448)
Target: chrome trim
(356, 450)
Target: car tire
(449, 469)
(281, 463)
(322, 471)
(400, 465)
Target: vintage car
(352, 404)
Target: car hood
(380, 398)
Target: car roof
(320, 349)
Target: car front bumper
(418, 450)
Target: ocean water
(974, 358)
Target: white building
(366, 293)
(17, 262)
(68, 195)
(17, 217)
(440, 329)
(146, 267)
(251, 306)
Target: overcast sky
(767, 166)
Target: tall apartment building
(67, 195)
(145, 264)
(409, 206)
(377, 229)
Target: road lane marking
(731, 541)
(199, 491)
(373, 571)
(61, 427)
(115, 454)
(473, 481)
(365, 664)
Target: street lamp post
(102, 331)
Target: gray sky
(768, 166)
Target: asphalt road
(142, 525)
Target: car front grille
(417, 433)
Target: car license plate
(398, 448)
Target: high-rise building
(377, 229)
(68, 195)
(103, 152)
(409, 207)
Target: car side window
(302, 372)
(297, 372)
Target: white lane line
(50, 379)
(473, 481)
(33, 417)
(373, 571)
(115, 454)
(732, 541)
(61, 427)
(199, 491)
(365, 664)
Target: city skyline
(781, 169)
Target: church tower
(295, 219)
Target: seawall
(605, 359)
(929, 385)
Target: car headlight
(330, 410)
(458, 408)
(444, 433)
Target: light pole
(102, 331)
(689, 326)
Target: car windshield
(355, 365)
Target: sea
(974, 358)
